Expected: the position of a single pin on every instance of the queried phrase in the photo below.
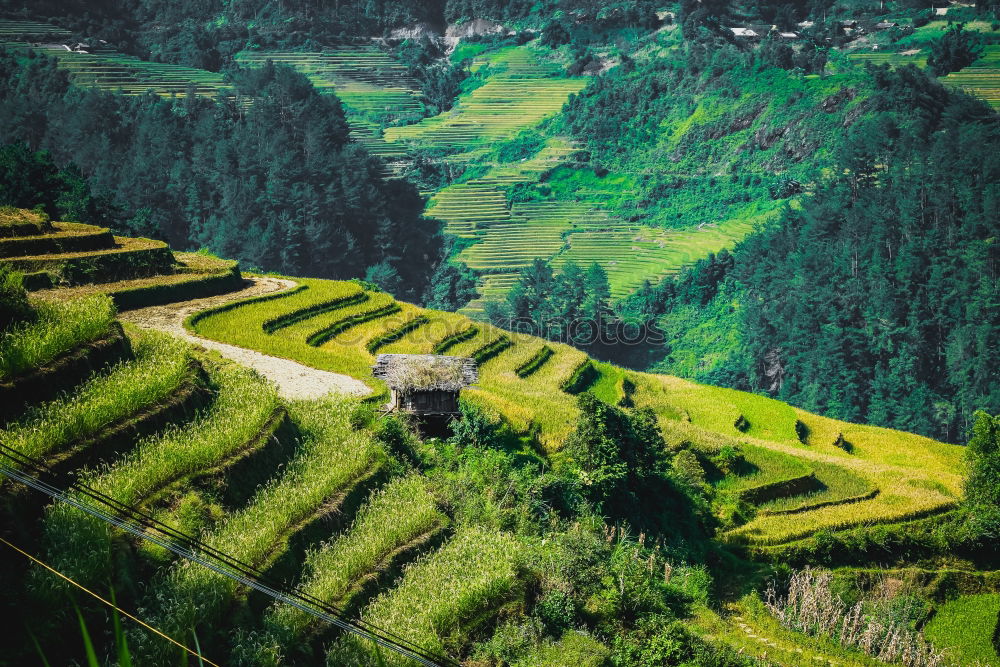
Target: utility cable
(244, 569)
(108, 603)
(137, 524)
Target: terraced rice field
(886, 476)
(509, 238)
(314, 464)
(373, 86)
(524, 88)
(894, 58)
(982, 78)
(263, 479)
(111, 71)
(133, 272)
(10, 29)
(631, 254)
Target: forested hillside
(875, 299)
(208, 34)
(267, 177)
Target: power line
(108, 603)
(138, 524)
(247, 570)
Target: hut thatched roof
(425, 372)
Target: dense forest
(269, 178)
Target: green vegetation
(901, 467)
(58, 328)
(954, 50)
(762, 214)
(402, 517)
(981, 78)
(965, 628)
(374, 88)
(456, 587)
(106, 70)
(206, 205)
(160, 366)
(811, 358)
(523, 90)
(332, 458)
(242, 408)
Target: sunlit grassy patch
(60, 328)
(331, 457)
(161, 363)
(451, 589)
(399, 514)
(965, 627)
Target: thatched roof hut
(425, 384)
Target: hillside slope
(913, 476)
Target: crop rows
(511, 237)
(332, 458)
(401, 517)
(10, 29)
(631, 254)
(449, 590)
(836, 488)
(60, 327)
(524, 91)
(982, 78)
(242, 407)
(115, 72)
(161, 364)
(369, 82)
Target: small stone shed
(425, 384)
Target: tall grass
(60, 327)
(80, 544)
(447, 591)
(875, 627)
(966, 628)
(400, 513)
(161, 364)
(242, 406)
(331, 458)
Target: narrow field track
(294, 380)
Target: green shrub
(582, 377)
(536, 362)
(454, 339)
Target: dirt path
(293, 379)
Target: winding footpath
(294, 380)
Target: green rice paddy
(524, 88)
(374, 88)
(111, 71)
(913, 476)
(981, 78)
(965, 627)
